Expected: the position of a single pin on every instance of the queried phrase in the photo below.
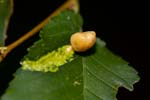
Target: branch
(70, 4)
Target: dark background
(121, 24)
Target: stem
(71, 4)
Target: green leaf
(55, 34)
(93, 75)
(5, 11)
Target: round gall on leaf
(82, 41)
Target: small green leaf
(5, 11)
(93, 75)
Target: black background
(122, 24)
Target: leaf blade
(109, 77)
(40, 48)
(46, 86)
(5, 12)
(55, 34)
(93, 75)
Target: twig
(71, 4)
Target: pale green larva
(51, 61)
(82, 41)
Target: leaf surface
(93, 75)
(55, 34)
(5, 11)
(105, 72)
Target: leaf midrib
(84, 80)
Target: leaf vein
(88, 90)
(105, 66)
(101, 79)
